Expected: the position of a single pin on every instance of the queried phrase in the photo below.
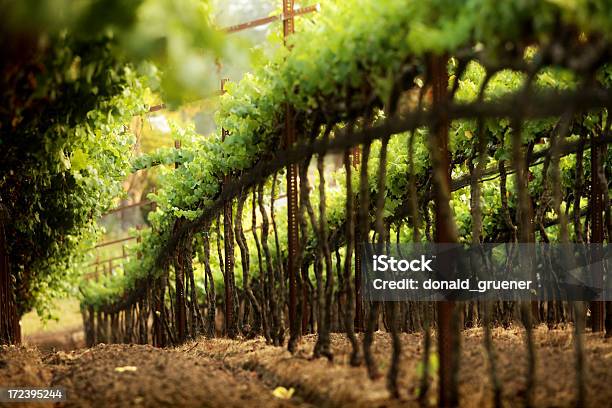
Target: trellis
(155, 311)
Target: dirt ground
(231, 373)
(71, 338)
(137, 376)
(23, 366)
(339, 384)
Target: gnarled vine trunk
(9, 318)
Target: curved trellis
(166, 312)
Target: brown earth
(136, 376)
(161, 378)
(21, 367)
(339, 384)
(71, 338)
(244, 373)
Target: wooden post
(292, 195)
(445, 231)
(91, 338)
(358, 320)
(597, 233)
(228, 241)
(179, 281)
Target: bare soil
(244, 373)
(22, 367)
(339, 384)
(50, 341)
(137, 376)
